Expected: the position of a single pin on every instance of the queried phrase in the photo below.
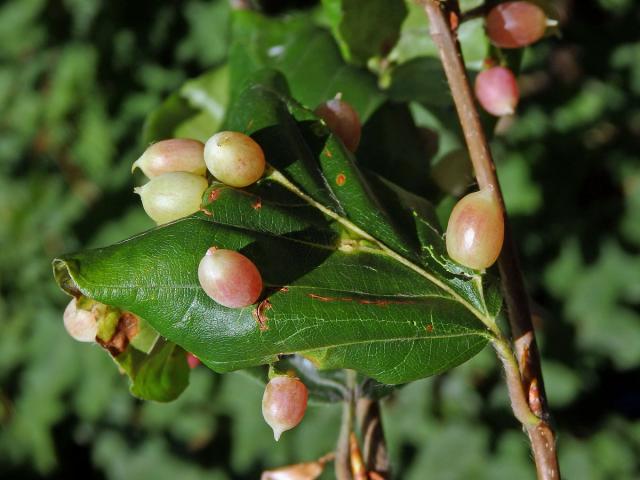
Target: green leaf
(354, 267)
(162, 375)
(415, 39)
(146, 338)
(323, 386)
(422, 80)
(207, 34)
(195, 111)
(365, 28)
(305, 54)
(392, 146)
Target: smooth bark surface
(541, 434)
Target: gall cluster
(509, 25)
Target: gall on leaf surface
(355, 269)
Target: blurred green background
(77, 78)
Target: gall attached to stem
(475, 231)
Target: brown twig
(374, 449)
(342, 466)
(541, 434)
(343, 447)
(358, 469)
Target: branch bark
(343, 454)
(374, 450)
(541, 434)
(343, 448)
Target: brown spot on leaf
(429, 328)
(260, 316)
(129, 324)
(126, 330)
(361, 301)
(284, 289)
(376, 302)
(257, 205)
(206, 212)
(213, 195)
(328, 153)
(321, 298)
(341, 179)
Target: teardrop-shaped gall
(515, 24)
(497, 91)
(171, 196)
(343, 120)
(234, 158)
(229, 278)
(284, 403)
(475, 231)
(81, 324)
(173, 155)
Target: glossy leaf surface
(354, 267)
(365, 28)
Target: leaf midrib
(358, 342)
(278, 177)
(196, 287)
